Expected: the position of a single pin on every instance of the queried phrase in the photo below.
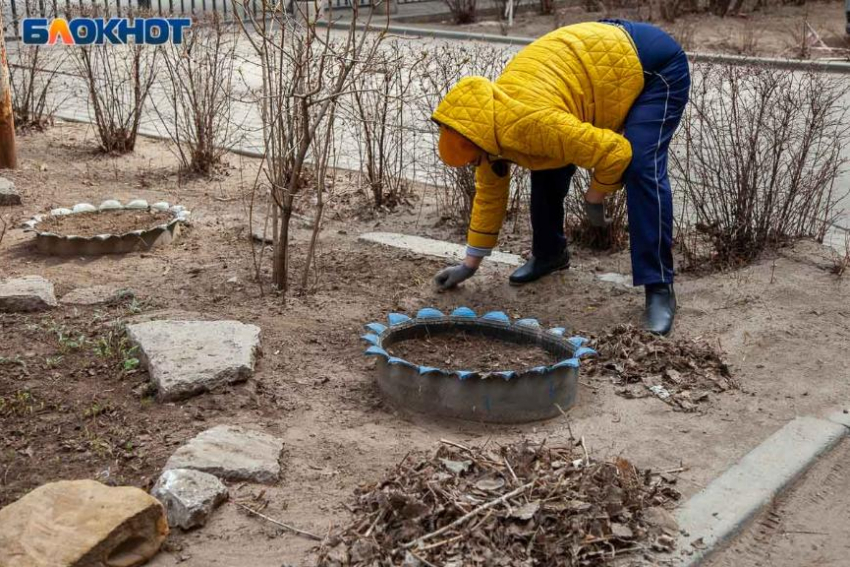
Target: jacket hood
(469, 109)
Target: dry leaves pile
(520, 505)
(681, 372)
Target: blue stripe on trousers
(649, 127)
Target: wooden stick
(279, 523)
(467, 516)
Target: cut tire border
(726, 505)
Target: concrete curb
(431, 247)
(723, 508)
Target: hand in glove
(596, 214)
(448, 278)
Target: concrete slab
(722, 508)
(186, 358)
(28, 293)
(436, 248)
(189, 496)
(8, 195)
(231, 453)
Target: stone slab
(189, 496)
(81, 523)
(29, 293)
(723, 508)
(8, 194)
(436, 248)
(231, 453)
(95, 295)
(186, 358)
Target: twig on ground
(294, 530)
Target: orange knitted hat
(455, 150)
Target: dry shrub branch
(118, 79)
(758, 156)
(306, 70)
(198, 87)
(33, 71)
(521, 504)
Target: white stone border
(179, 213)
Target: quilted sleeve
(488, 207)
(560, 135)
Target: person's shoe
(535, 268)
(660, 308)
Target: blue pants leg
(649, 127)
(549, 188)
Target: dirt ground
(78, 408)
(807, 527)
(776, 31)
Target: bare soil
(108, 222)
(465, 351)
(776, 31)
(809, 526)
(782, 323)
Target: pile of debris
(518, 505)
(681, 372)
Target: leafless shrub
(118, 79)
(305, 71)
(757, 159)
(463, 11)
(546, 7)
(33, 70)
(613, 237)
(198, 87)
(380, 103)
(437, 72)
(841, 261)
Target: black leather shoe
(536, 268)
(660, 308)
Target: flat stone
(231, 453)
(615, 278)
(81, 523)
(189, 496)
(186, 358)
(95, 295)
(8, 194)
(436, 248)
(29, 293)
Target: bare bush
(198, 88)
(463, 11)
(841, 261)
(305, 71)
(380, 103)
(757, 159)
(613, 237)
(118, 79)
(32, 73)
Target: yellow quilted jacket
(560, 101)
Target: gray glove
(448, 278)
(596, 214)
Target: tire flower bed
(140, 239)
(504, 396)
(518, 505)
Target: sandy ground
(783, 321)
(809, 526)
(776, 31)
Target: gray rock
(95, 295)
(8, 195)
(29, 293)
(186, 358)
(231, 453)
(189, 496)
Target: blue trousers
(649, 127)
